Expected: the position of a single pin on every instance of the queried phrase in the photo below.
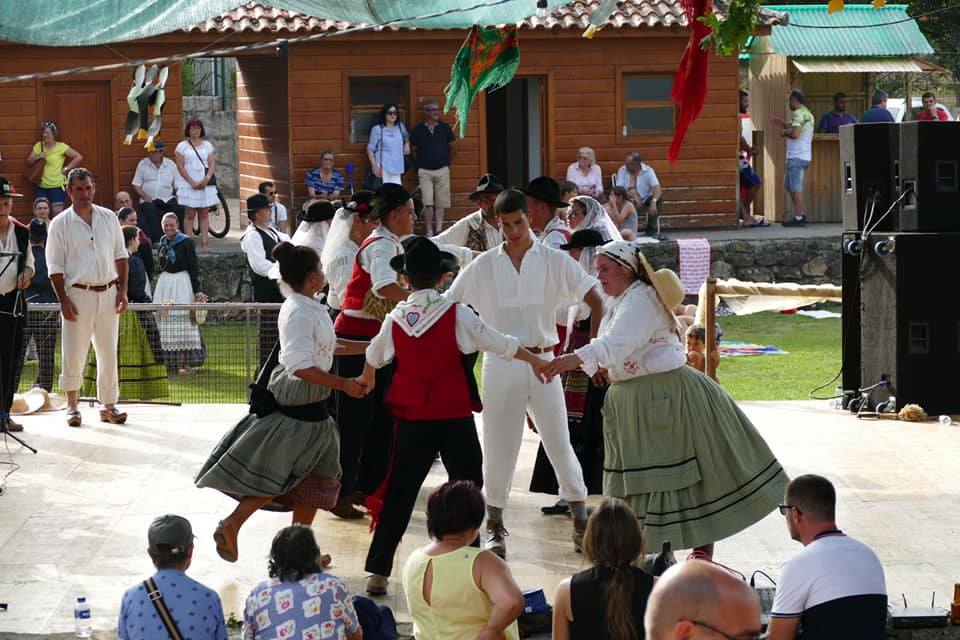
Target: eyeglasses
(784, 508)
(271, 193)
(746, 635)
(432, 109)
(391, 113)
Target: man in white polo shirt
(833, 588)
(517, 289)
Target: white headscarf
(312, 234)
(599, 220)
(337, 236)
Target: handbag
(157, 599)
(372, 182)
(212, 182)
(407, 162)
(33, 171)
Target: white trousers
(509, 389)
(97, 319)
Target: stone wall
(225, 276)
(221, 128)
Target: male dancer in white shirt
(517, 288)
(480, 230)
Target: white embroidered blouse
(307, 338)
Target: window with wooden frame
(646, 105)
(368, 94)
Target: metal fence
(177, 353)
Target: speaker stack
(901, 245)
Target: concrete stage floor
(73, 519)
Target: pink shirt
(591, 183)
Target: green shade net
(59, 23)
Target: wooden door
(82, 112)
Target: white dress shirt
(553, 233)
(278, 216)
(155, 181)
(472, 333)
(636, 337)
(85, 254)
(525, 303)
(644, 183)
(307, 338)
(458, 233)
(8, 281)
(252, 245)
(338, 272)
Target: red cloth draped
(690, 83)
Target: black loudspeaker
(869, 160)
(850, 312)
(910, 319)
(930, 176)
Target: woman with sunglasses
(58, 158)
(324, 182)
(389, 142)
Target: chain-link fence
(178, 353)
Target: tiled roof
(255, 17)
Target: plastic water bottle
(945, 420)
(837, 401)
(81, 618)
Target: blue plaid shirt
(315, 180)
(195, 609)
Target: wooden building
(610, 93)
(820, 62)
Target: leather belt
(539, 349)
(95, 287)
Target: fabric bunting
(487, 60)
(690, 82)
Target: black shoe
(560, 508)
(794, 221)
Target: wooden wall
(262, 126)
(22, 110)
(582, 94)
(770, 82)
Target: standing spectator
(299, 598)
(155, 181)
(257, 243)
(389, 142)
(586, 174)
(434, 146)
(623, 212)
(749, 180)
(643, 187)
(833, 120)
(278, 212)
(54, 155)
(17, 269)
(43, 330)
(128, 216)
(878, 111)
(194, 608)
(930, 110)
(196, 161)
(479, 230)
(799, 135)
(87, 260)
(834, 587)
(324, 182)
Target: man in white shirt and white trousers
(517, 288)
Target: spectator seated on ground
(299, 600)
(696, 349)
(441, 580)
(608, 600)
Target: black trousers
(44, 331)
(366, 428)
(13, 317)
(418, 443)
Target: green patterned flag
(488, 59)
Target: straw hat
(29, 402)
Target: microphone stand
(15, 359)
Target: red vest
(357, 288)
(434, 386)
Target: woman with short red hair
(196, 161)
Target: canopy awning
(863, 65)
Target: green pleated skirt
(681, 452)
(141, 375)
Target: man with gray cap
(169, 598)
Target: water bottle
(837, 401)
(945, 420)
(81, 618)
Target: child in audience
(696, 349)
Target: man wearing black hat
(480, 230)
(16, 269)
(44, 332)
(544, 203)
(257, 243)
(432, 398)
(169, 603)
(155, 182)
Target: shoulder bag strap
(202, 163)
(157, 599)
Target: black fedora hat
(256, 202)
(319, 211)
(584, 238)
(392, 196)
(488, 183)
(421, 257)
(546, 189)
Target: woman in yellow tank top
(58, 158)
(456, 591)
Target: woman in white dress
(196, 161)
